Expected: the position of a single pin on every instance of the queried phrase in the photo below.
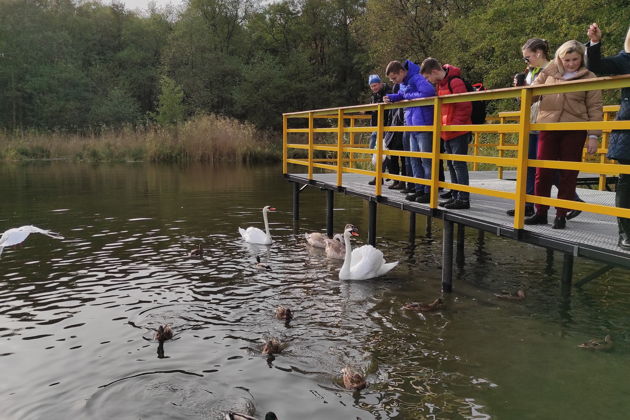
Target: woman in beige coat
(568, 65)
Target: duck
(519, 295)
(272, 346)
(18, 235)
(262, 266)
(231, 415)
(283, 313)
(362, 263)
(197, 252)
(425, 307)
(598, 344)
(335, 247)
(253, 235)
(353, 379)
(316, 239)
(163, 333)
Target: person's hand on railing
(592, 144)
(594, 33)
(386, 99)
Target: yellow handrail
(517, 122)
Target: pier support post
(296, 201)
(330, 204)
(428, 227)
(481, 236)
(549, 261)
(567, 270)
(412, 227)
(447, 257)
(459, 255)
(372, 223)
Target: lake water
(77, 315)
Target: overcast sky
(142, 4)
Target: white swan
(18, 235)
(335, 247)
(253, 235)
(316, 239)
(362, 263)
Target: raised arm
(595, 62)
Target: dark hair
(520, 79)
(429, 64)
(537, 44)
(393, 67)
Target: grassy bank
(205, 139)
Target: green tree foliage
(171, 109)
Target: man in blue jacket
(414, 86)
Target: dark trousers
(396, 164)
(564, 146)
(622, 199)
(458, 168)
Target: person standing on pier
(414, 86)
(379, 90)
(568, 65)
(619, 145)
(448, 80)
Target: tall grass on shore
(204, 139)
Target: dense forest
(81, 65)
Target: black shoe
(457, 205)
(423, 199)
(560, 222)
(624, 244)
(537, 219)
(572, 214)
(529, 211)
(373, 182)
(394, 185)
(412, 197)
(446, 202)
(447, 195)
(400, 186)
(408, 190)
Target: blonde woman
(619, 147)
(568, 65)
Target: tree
(171, 108)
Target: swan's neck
(266, 224)
(347, 261)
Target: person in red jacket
(448, 80)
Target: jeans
(458, 169)
(421, 167)
(407, 148)
(373, 140)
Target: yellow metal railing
(344, 147)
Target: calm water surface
(77, 315)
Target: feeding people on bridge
(619, 146)
(379, 90)
(568, 65)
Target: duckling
(316, 239)
(598, 344)
(197, 252)
(163, 333)
(519, 295)
(425, 307)
(262, 266)
(352, 379)
(335, 247)
(238, 416)
(272, 346)
(284, 313)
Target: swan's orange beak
(272, 209)
(354, 233)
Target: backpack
(478, 114)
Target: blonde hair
(626, 45)
(569, 47)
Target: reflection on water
(78, 316)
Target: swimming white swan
(18, 235)
(362, 263)
(335, 247)
(316, 239)
(253, 235)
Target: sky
(142, 4)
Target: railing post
(501, 144)
(311, 144)
(435, 151)
(351, 157)
(340, 129)
(285, 147)
(521, 159)
(602, 156)
(379, 149)
(475, 165)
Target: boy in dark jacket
(448, 80)
(414, 86)
(379, 90)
